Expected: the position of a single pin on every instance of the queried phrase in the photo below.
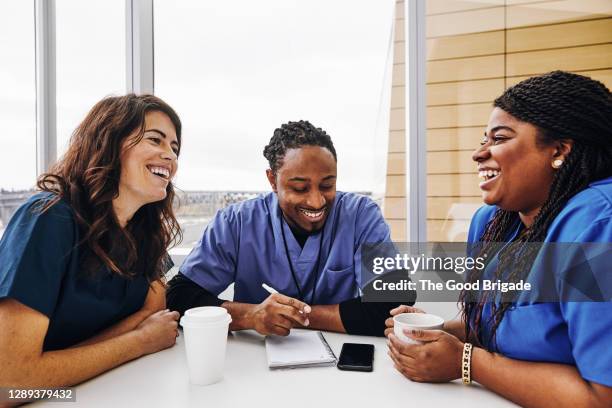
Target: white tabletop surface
(161, 380)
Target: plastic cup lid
(206, 315)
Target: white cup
(408, 321)
(205, 329)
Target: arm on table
(537, 384)
(326, 317)
(365, 318)
(456, 327)
(532, 384)
(275, 315)
(352, 316)
(154, 302)
(25, 363)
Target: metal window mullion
(139, 46)
(416, 141)
(46, 120)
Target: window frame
(416, 137)
(139, 68)
(45, 68)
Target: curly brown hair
(87, 178)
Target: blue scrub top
(39, 267)
(244, 245)
(577, 333)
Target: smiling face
(305, 186)
(516, 171)
(148, 166)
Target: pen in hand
(272, 291)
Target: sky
(233, 70)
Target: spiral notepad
(299, 349)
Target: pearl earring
(557, 163)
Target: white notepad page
(299, 349)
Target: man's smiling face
(305, 185)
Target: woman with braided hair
(546, 165)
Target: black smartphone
(356, 357)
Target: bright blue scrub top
(39, 267)
(577, 333)
(243, 244)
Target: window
(17, 106)
(235, 71)
(90, 59)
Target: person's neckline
(300, 235)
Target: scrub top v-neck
(244, 245)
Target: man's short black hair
(293, 135)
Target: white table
(161, 380)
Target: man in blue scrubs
(302, 240)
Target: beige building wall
(395, 192)
(475, 49)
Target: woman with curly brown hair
(546, 169)
(82, 262)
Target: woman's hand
(437, 359)
(158, 331)
(398, 310)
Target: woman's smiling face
(515, 169)
(148, 166)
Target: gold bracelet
(466, 362)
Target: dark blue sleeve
(35, 252)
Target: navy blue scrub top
(39, 267)
(576, 333)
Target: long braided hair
(560, 105)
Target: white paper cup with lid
(205, 330)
